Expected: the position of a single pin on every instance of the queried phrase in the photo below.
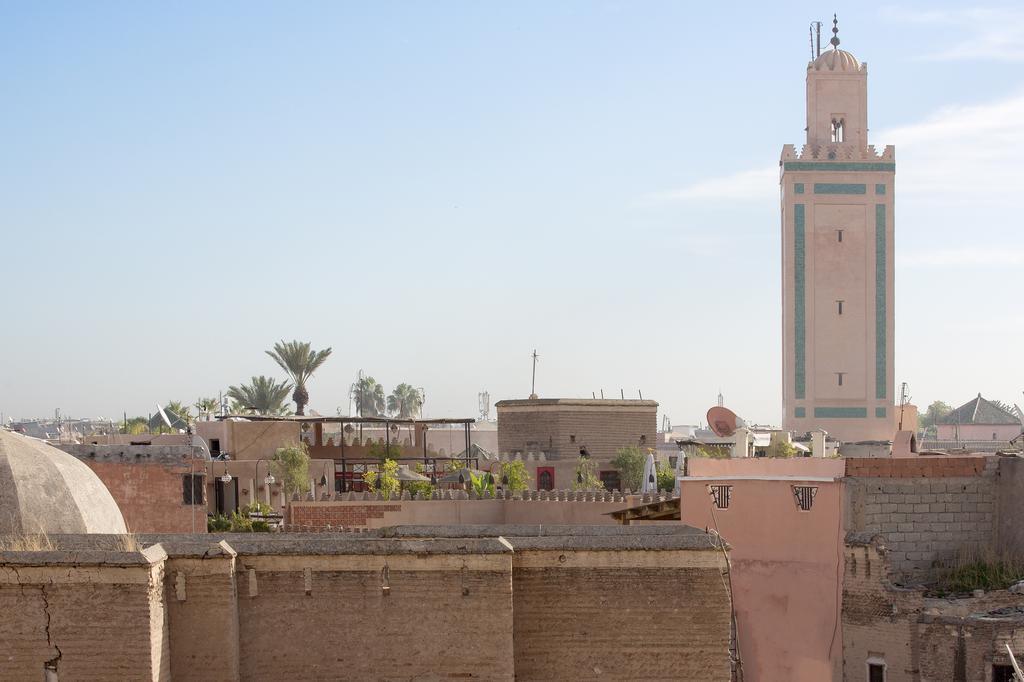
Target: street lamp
(269, 480)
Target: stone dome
(835, 60)
(46, 490)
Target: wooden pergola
(664, 510)
(420, 425)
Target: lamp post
(269, 480)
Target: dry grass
(127, 543)
(25, 543)
(975, 569)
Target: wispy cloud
(958, 154)
(962, 153)
(748, 185)
(989, 33)
(970, 257)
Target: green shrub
(516, 474)
(218, 523)
(630, 462)
(666, 479)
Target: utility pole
(533, 380)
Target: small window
(611, 480)
(804, 495)
(572, 437)
(722, 495)
(993, 435)
(1002, 673)
(839, 377)
(545, 478)
(215, 446)
(876, 669)
(839, 234)
(673, 461)
(839, 306)
(192, 488)
(643, 439)
(838, 125)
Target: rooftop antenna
(483, 400)
(904, 399)
(533, 380)
(815, 40)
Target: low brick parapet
(919, 467)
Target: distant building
(978, 419)
(563, 429)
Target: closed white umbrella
(650, 482)
(679, 472)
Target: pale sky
(436, 189)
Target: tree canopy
(369, 397)
(299, 360)
(630, 462)
(263, 394)
(405, 401)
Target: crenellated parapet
(567, 495)
(838, 152)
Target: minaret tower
(837, 261)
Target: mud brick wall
(90, 620)
(601, 426)
(620, 615)
(917, 637)
(443, 616)
(147, 485)
(927, 510)
(202, 614)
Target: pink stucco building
(783, 520)
(978, 419)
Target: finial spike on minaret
(835, 32)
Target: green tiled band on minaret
(800, 321)
(840, 412)
(880, 299)
(839, 188)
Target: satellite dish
(163, 415)
(723, 421)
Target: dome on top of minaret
(836, 60)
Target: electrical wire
(738, 660)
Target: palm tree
(405, 402)
(369, 397)
(206, 406)
(263, 394)
(299, 361)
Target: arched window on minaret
(837, 129)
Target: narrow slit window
(839, 377)
(839, 234)
(839, 306)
